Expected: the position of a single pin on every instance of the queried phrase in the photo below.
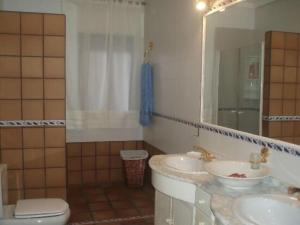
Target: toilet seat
(38, 208)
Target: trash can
(134, 166)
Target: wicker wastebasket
(134, 166)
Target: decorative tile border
(235, 135)
(281, 118)
(32, 123)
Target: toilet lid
(33, 208)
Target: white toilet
(50, 211)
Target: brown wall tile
(15, 179)
(10, 110)
(89, 163)
(54, 24)
(55, 137)
(55, 157)
(32, 67)
(13, 158)
(32, 45)
(32, 89)
(32, 23)
(73, 149)
(102, 162)
(88, 149)
(103, 148)
(11, 138)
(10, 88)
(34, 178)
(54, 67)
(55, 177)
(10, 44)
(74, 178)
(291, 41)
(116, 147)
(291, 58)
(55, 110)
(9, 22)
(277, 57)
(33, 137)
(54, 89)
(278, 40)
(9, 66)
(34, 158)
(57, 193)
(54, 46)
(33, 110)
(89, 177)
(74, 164)
(35, 193)
(290, 74)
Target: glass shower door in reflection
(239, 88)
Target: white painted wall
(176, 30)
(43, 6)
(175, 27)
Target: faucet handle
(205, 155)
(264, 153)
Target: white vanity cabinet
(170, 211)
(204, 215)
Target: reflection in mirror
(251, 70)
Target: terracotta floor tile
(77, 208)
(143, 203)
(80, 217)
(146, 211)
(96, 198)
(116, 196)
(97, 206)
(122, 204)
(104, 215)
(124, 213)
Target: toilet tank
(3, 187)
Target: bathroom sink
(184, 164)
(236, 174)
(267, 209)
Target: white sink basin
(184, 164)
(223, 170)
(267, 210)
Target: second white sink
(184, 164)
(267, 209)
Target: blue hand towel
(146, 107)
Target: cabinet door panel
(183, 213)
(162, 209)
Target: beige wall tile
(10, 44)
(11, 138)
(55, 137)
(10, 88)
(31, 23)
(9, 22)
(33, 137)
(32, 45)
(9, 66)
(34, 158)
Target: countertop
(222, 198)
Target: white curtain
(104, 57)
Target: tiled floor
(117, 205)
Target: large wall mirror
(252, 68)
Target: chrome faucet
(205, 155)
(294, 191)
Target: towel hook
(148, 50)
